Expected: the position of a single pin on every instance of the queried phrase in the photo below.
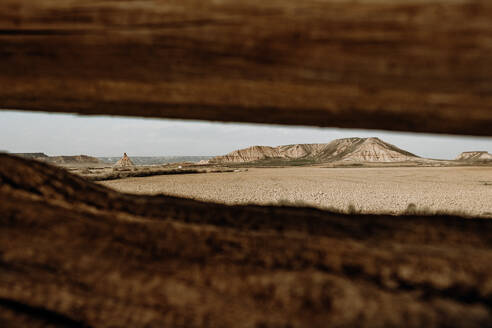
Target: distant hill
(474, 156)
(154, 160)
(59, 160)
(77, 159)
(137, 160)
(348, 150)
(31, 155)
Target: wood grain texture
(404, 65)
(76, 254)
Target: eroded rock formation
(474, 156)
(124, 163)
(32, 155)
(376, 150)
(76, 159)
(347, 149)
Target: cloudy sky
(66, 134)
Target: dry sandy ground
(75, 254)
(370, 190)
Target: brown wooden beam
(75, 254)
(408, 65)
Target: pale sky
(67, 134)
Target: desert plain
(84, 255)
(387, 190)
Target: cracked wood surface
(409, 65)
(76, 254)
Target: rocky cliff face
(256, 153)
(474, 156)
(376, 150)
(348, 149)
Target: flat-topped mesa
(347, 149)
(124, 163)
(479, 155)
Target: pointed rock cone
(124, 162)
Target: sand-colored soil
(371, 190)
(76, 254)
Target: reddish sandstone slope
(75, 254)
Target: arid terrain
(350, 175)
(368, 190)
(338, 150)
(74, 253)
(77, 254)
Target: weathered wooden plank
(405, 65)
(75, 254)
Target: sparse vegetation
(391, 191)
(275, 163)
(411, 209)
(351, 209)
(296, 203)
(115, 174)
(414, 210)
